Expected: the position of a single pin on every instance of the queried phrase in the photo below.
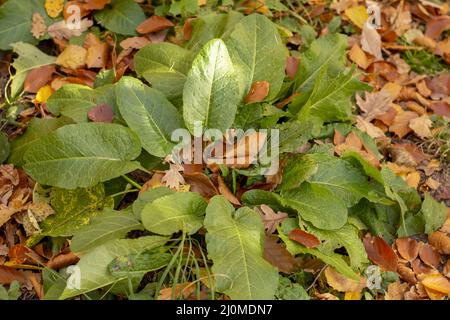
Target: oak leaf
(271, 219)
(38, 26)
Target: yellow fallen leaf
(73, 57)
(341, 283)
(43, 94)
(358, 15)
(437, 282)
(352, 296)
(421, 126)
(358, 56)
(54, 7)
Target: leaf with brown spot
(307, 239)
(258, 92)
(380, 253)
(341, 283)
(278, 256)
(429, 255)
(101, 113)
(436, 26)
(39, 77)
(407, 248)
(154, 24)
(400, 126)
(271, 219)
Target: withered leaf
(154, 24)
(380, 253)
(307, 239)
(271, 219)
(407, 248)
(278, 256)
(39, 77)
(429, 255)
(341, 283)
(258, 92)
(421, 126)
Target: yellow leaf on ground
(421, 126)
(73, 57)
(54, 7)
(358, 56)
(43, 94)
(352, 296)
(358, 15)
(341, 283)
(437, 282)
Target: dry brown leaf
(60, 30)
(172, 177)
(369, 128)
(400, 126)
(358, 56)
(62, 260)
(134, 43)
(429, 255)
(406, 273)
(97, 52)
(408, 248)
(421, 269)
(200, 183)
(441, 109)
(380, 253)
(436, 26)
(446, 270)
(374, 104)
(73, 57)
(307, 239)
(8, 275)
(421, 126)
(341, 5)
(438, 283)
(225, 191)
(154, 24)
(258, 92)
(341, 283)
(396, 291)
(326, 296)
(440, 241)
(271, 219)
(278, 256)
(38, 26)
(96, 4)
(371, 41)
(402, 67)
(37, 78)
(154, 182)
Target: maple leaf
(271, 219)
(375, 104)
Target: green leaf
(141, 263)
(288, 290)
(210, 93)
(235, 245)
(104, 77)
(73, 101)
(318, 205)
(297, 170)
(93, 265)
(148, 113)
(181, 211)
(212, 26)
(82, 155)
(256, 45)
(122, 16)
(37, 128)
(165, 66)
(73, 209)
(16, 21)
(29, 58)
(4, 147)
(434, 213)
(148, 197)
(107, 225)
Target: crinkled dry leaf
(369, 128)
(406, 273)
(441, 241)
(396, 291)
(421, 126)
(172, 177)
(341, 283)
(374, 104)
(61, 30)
(73, 57)
(134, 43)
(37, 78)
(271, 219)
(400, 126)
(38, 27)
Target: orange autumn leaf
(96, 4)
(37, 78)
(307, 239)
(154, 24)
(226, 192)
(358, 56)
(407, 248)
(278, 256)
(438, 283)
(258, 92)
(380, 253)
(400, 125)
(429, 255)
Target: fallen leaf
(154, 24)
(440, 241)
(307, 239)
(37, 78)
(432, 184)
(62, 260)
(436, 26)
(374, 104)
(406, 273)
(371, 41)
(369, 128)
(200, 183)
(396, 291)
(38, 26)
(8, 275)
(54, 7)
(96, 4)
(73, 57)
(172, 177)
(60, 30)
(429, 255)
(421, 269)
(258, 92)
(446, 270)
(421, 126)
(400, 126)
(292, 66)
(358, 56)
(380, 253)
(97, 52)
(278, 256)
(341, 283)
(437, 282)
(134, 43)
(43, 94)
(101, 113)
(441, 109)
(180, 290)
(225, 191)
(271, 219)
(407, 248)
(326, 296)
(357, 15)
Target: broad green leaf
(16, 20)
(123, 16)
(318, 205)
(288, 290)
(29, 58)
(165, 66)
(234, 241)
(210, 94)
(356, 160)
(181, 211)
(256, 45)
(73, 101)
(4, 147)
(107, 225)
(73, 209)
(104, 77)
(325, 53)
(140, 263)
(37, 128)
(434, 213)
(297, 170)
(148, 113)
(257, 197)
(82, 155)
(93, 266)
(148, 197)
(212, 26)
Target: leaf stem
(123, 192)
(132, 182)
